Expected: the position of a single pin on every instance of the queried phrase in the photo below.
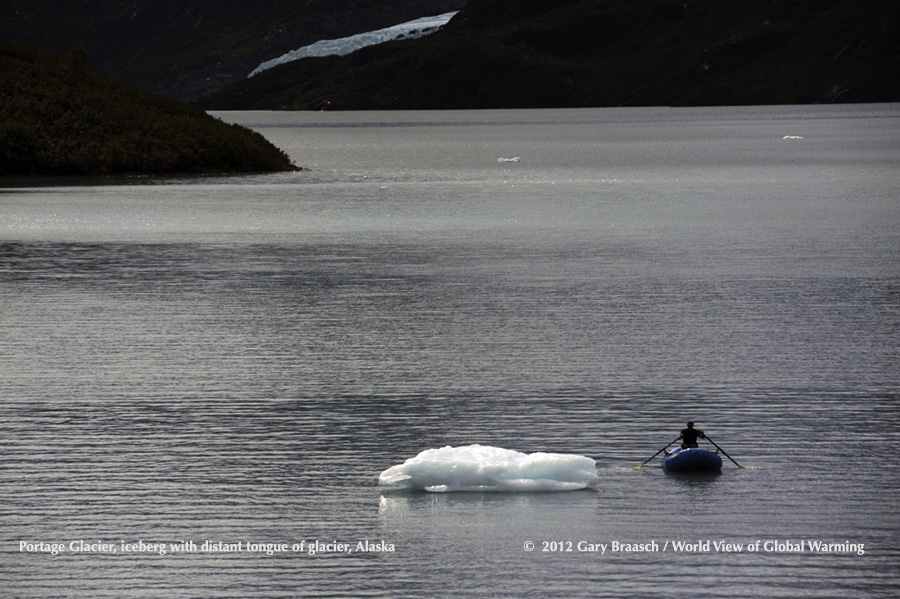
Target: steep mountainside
(531, 53)
(192, 47)
(59, 118)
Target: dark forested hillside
(188, 48)
(540, 53)
(57, 117)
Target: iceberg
(485, 468)
(346, 45)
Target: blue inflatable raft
(692, 460)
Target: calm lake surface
(235, 360)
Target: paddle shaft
(656, 454)
(722, 450)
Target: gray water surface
(235, 360)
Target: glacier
(346, 45)
(486, 468)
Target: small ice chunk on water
(485, 468)
(513, 159)
(792, 137)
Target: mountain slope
(59, 118)
(532, 53)
(192, 47)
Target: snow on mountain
(346, 45)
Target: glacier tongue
(346, 45)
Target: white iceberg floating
(792, 137)
(347, 45)
(485, 468)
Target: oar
(722, 450)
(656, 454)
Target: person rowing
(689, 438)
(690, 435)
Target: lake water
(235, 360)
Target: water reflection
(491, 512)
(691, 479)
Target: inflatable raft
(692, 460)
